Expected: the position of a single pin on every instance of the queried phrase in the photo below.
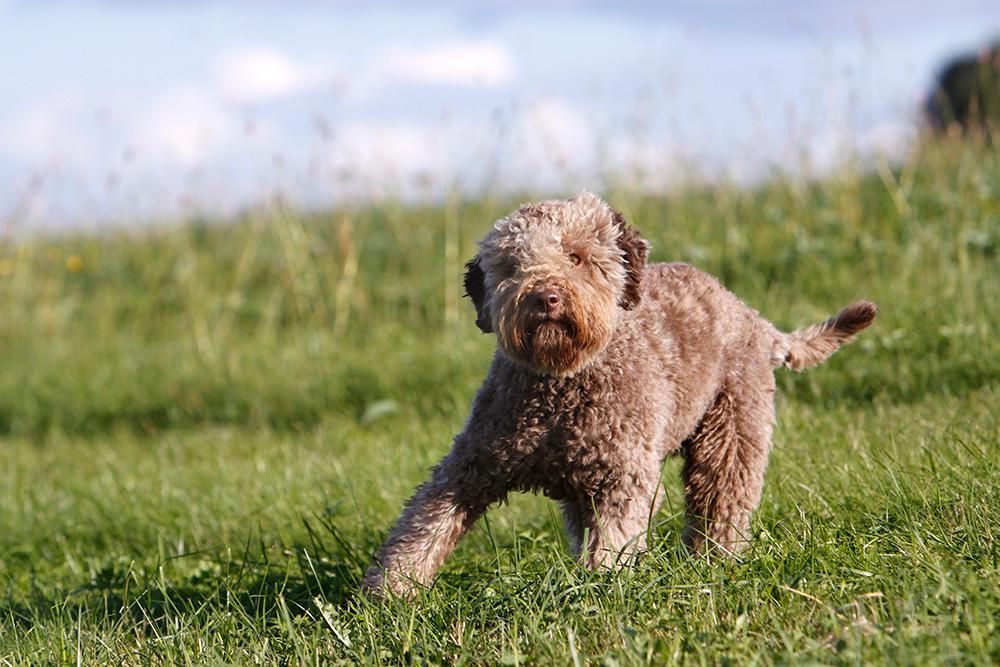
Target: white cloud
(261, 74)
(457, 64)
(647, 163)
(189, 123)
(29, 134)
(557, 125)
(549, 138)
(549, 142)
(889, 139)
(185, 126)
(47, 130)
(377, 150)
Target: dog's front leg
(432, 523)
(611, 531)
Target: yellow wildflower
(74, 263)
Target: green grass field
(208, 428)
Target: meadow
(207, 427)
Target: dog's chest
(575, 441)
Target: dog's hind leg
(725, 461)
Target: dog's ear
(634, 251)
(475, 289)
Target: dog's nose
(547, 301)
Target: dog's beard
(551, 346)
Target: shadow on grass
(903, 384)
(256, 586)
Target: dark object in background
(966, 95)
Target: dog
(605, 365)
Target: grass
(208, 428)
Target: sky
(129, 113)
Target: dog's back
(703, 314)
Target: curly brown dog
(605, 366)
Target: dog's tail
(805, 348)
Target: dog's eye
(573, 257)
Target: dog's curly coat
(605, 367)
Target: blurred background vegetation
(283, 319)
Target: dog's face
(552, 279)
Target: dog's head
(552, 279)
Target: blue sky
(137, 111)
